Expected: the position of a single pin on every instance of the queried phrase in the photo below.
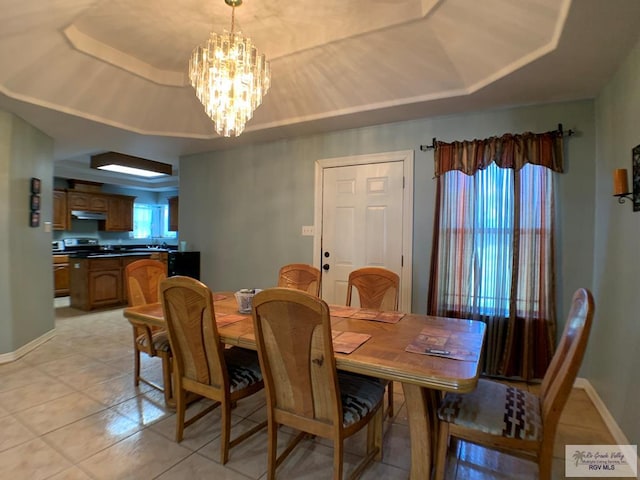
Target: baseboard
(616, 432)
(13, 356)
(612, 425)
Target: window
(477, 232)
(151, 221)
(493, 249)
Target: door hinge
(403, 182)
(402, 260)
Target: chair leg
(441, 454)
(544, 466)
(136, 364)
(390, 394)
(338, 457)
(181, 406)
(273, 450)
(225, 436)
(166, 379)
(374, 435)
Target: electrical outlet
(307, 230)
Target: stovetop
(75, 245)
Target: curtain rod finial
(424, 148)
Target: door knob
(325, 267)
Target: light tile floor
(69, 410)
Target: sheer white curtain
(476, 252)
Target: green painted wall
(613, 358)
(26, 279)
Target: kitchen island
(97, 280)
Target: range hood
(84, 215)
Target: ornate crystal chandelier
(230, 78)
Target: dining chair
(301, 277)
(143, 279)
(379, 289)
(515, 421)
(202, 365)
(304, 389)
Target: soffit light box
(128, 164)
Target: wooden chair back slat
(301, 277)
(377, 288)
(143, 278)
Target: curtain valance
(508, 151)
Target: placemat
(347, 342)
(378, 316)
(441, 343)
(365, 314)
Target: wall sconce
(621, 182)
(121, 163)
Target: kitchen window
(151, 221)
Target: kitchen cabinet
(60, 216)
(160, 256)
(119, 214)
(173, 214)
(118, 209)
(105, 288)
(97, 282)
(61, 275)
(92, 202)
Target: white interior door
(362, 223)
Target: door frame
(407, 158)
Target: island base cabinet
(105, 288)
(99, 282)
(95, 283)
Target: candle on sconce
(620, 182)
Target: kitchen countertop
(117, 253)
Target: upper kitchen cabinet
(173, 214)
(119, 214)
(87, 201)
(116, 211)
(60, 217)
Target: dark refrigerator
(184, 263)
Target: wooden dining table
(383, 355)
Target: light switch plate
(307, 231)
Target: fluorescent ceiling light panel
(130, 165)
(130, 170)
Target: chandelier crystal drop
(230, 78)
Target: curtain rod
(560, 132)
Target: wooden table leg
(421, 410)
